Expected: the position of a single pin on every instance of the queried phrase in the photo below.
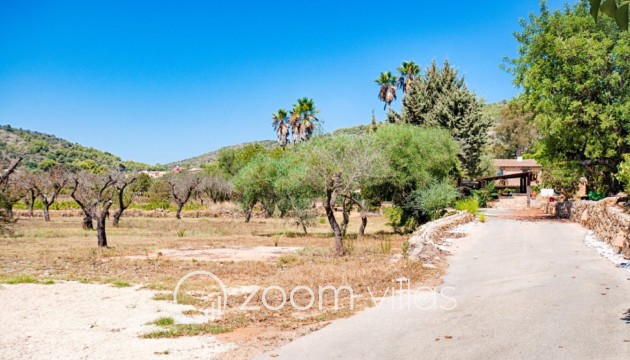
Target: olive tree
(182, 186)
(95, 194)
(128, 187)
(49, 185)
(254, 183)
(336, 167)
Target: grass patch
(21, 279)
(470, 204)
(187, 330)
(164, 321)
(120, 284)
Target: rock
(429, 266)
(584, 217)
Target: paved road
(524, 290)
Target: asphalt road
(514, 290)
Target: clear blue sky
(160, 81)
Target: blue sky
(159, 81)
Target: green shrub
(482, 217)
(595, 195)
(485, 194)
(470, 204)
(399, 220)
(429, 204)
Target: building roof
(525, 163)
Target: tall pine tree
(440, 98)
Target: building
(515, 166)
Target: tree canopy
(574, 76)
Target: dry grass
(61, 250)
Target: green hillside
(45, 150)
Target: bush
(399, 220)
(623, 174)
(486, 194)
(429, 204)
(470, 204)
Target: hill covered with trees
(44, 150)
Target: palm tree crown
(280, 124)
(409, 71)
(387, 83)
(303, 119)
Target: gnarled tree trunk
(330, 215)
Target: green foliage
(417, 156)
(401, 221)
(614, 9)
(440, 98)
(572, 71)
(430, 203)
(482, 217)
(232, 159)
(595, 195)
(623, 173)
(255, 183)
(485, 194)
(470, 204)
(515, 132)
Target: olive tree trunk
(334, 225)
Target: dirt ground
(154, 253)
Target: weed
(386, 246)
(164, 321)
(181, 233)
(120, 284)
(470, 204)
(482, 217)
(404, 248)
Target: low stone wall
(423, 243)
(609, 222)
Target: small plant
(181, 233)
(322, 220)
(482, 217)
(404, 248)
(470, 204)
(164, 321)
(120, 284)
(386, 246)
(348, 246)
(595, 195)
(276, 240)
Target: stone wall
(609, 222)
(423, 243)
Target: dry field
(157, 252)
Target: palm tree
(409, 71)
(295, 120)
(387, 92)
(303, 119)
(280, 124)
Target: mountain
(44, 150)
